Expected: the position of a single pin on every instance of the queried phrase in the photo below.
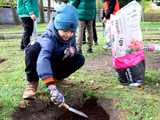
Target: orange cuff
(49, 80)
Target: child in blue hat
(53, 56)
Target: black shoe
(79, 51)
(96, 43)
(107, 46)
(22, 48)
(83, 42)
(90, 50)
(138, 83)
(124, 83)
(135, 84)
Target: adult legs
(94, 32)
(84, 36)
(82, 25)
(90, 35)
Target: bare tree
(41, 11)
(49, 10)
(15, 16)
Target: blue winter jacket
(52, 46)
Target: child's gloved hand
(136, 45)
(69, 52)
(56, 96)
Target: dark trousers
(62, 68)
(132, 74)
(28, 24)
(94, 33)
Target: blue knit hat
(66, 18)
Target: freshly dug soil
(90, 108)
(37, 110)
(42, 111)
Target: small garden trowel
(74, 110)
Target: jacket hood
(66, 18)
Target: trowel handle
(65, 106)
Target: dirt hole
(90, 108)
(2, 60)
(42, 111)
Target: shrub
(8, 3)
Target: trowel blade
(77, 112)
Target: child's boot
(30, 90)
(89, 50)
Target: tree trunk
(41, 11)
(48, 10)
(15, 17)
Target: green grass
(148, 8)
(10, 76)
(150, 25)
(141, 104)
(41, 27)
(18, 28)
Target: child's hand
(104, 20)
(33, 17)
(136, 45)
(56, 96)
(69, 52)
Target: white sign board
(125, 27)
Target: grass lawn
(10, 77)
(41, 27)
(18, 28)
(140, 103)
(150, 25)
